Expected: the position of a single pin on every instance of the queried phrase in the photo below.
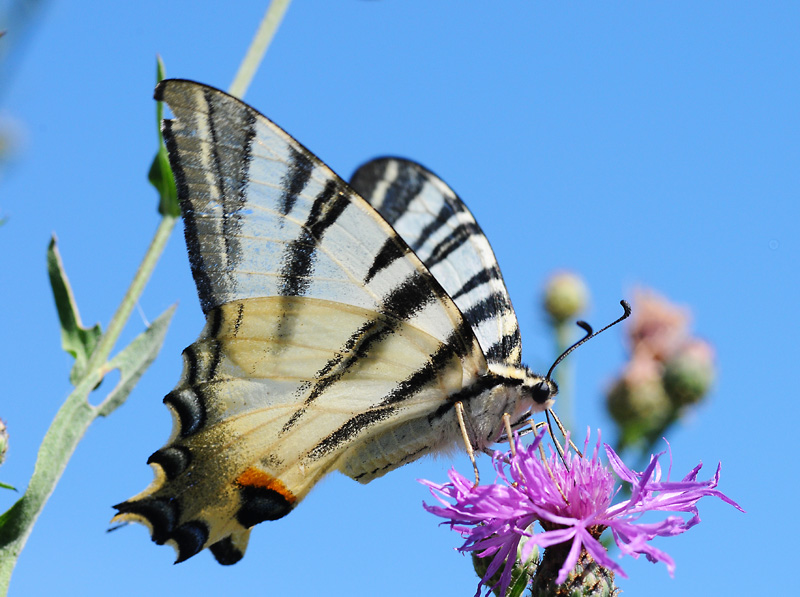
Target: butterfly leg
(509, 433)
(467, 442)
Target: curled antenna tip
(590, 334)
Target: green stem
(261, 40)
(71, 421)
(59, 443)
(563, 375)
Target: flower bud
(3, 441)
(565, 296)
(521, 573)
(689, 374)
(637, 401)
(657, 326)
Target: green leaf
(75, 339)
(160, 175)
(134, 360)
(4, 486)
(518, 585)
(66, 430)
(161, 72)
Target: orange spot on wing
(253, 477)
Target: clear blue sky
(651, 144)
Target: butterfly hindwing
(442, 232)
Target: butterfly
(347, 326)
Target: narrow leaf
(134, 360)
(4, 486)
(75, 339)
(160, 175)
(519, 585)
(161, 72)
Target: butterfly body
(343, 325)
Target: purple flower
(572, 504)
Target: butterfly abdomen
(390, 449)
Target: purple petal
(570, 561)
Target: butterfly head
(540, 390)
(526, 389)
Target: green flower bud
(565, 296)
(638, 402)
(657, 327)
(521, 574)
(689, 374)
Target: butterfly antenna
(589, 335)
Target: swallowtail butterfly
(344, 322)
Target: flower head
(657, 326)
(668, 371)
(565, 296)
(572, 500)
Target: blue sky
(639, 144)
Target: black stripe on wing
(405, 300)
(295, 180)
(479, 279)
(222, 167)
(508, 344)
(388, 254)
(452, 242)
(298, 258)
(422, 208)
(392, 402)
(399, 191)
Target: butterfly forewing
(264, 217)
(439, 228)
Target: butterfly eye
(541, 392)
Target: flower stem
(71, 420)
(563, 375)
(59, 443)
(255, 53)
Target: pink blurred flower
(668, 371)
(657, 328)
